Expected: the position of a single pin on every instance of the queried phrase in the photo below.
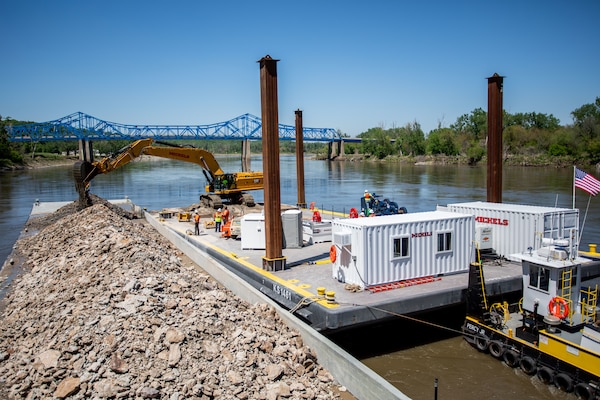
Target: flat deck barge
(308, 268)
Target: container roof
(484, 205)
(383, 220)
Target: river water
(410, 356)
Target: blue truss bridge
(81, 126)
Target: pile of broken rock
(107, 308)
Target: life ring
(528, 366)
(564, 382)
(584, 391)
(496, 348)
(511, 358)
(558, 307)
(482, 343)
(353, 213)
(546, 375)
(332, 253)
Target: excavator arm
(85, 171)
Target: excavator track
(248, 199)
(211, 201)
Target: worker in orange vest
(196, 224)
(225, 215)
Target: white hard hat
(219, 209)
(366, 191)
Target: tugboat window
(533, 275)
(401, 247)
(444, 241)
(539, 277)
(544, 278)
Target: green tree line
(528, 139)
(532, 138)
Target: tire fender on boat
(584, 391)
(482, 343)
(511, 358)
(528, 366)
(546, 375)
(496, 348)
(564, 382)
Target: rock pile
(108, 309)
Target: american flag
(586, 182)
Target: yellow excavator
(221, 187)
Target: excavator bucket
(83, 172)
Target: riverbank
(106, 307)
(509, 160)
(40, 161)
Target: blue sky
(348, 65)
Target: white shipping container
(387, 249)
(517, 228)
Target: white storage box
(517, 228)
(386, 249)
(316, 232)
(253, 231)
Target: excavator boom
(221, 186)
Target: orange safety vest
(196, 218)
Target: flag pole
(584, 218)
(574, 168)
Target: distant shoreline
(44, 162)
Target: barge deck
(308, 273)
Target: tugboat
(553, 331)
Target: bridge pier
(335, 149)
(86, 150)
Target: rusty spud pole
(494, 147)
(300, 159)
(273, 259)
